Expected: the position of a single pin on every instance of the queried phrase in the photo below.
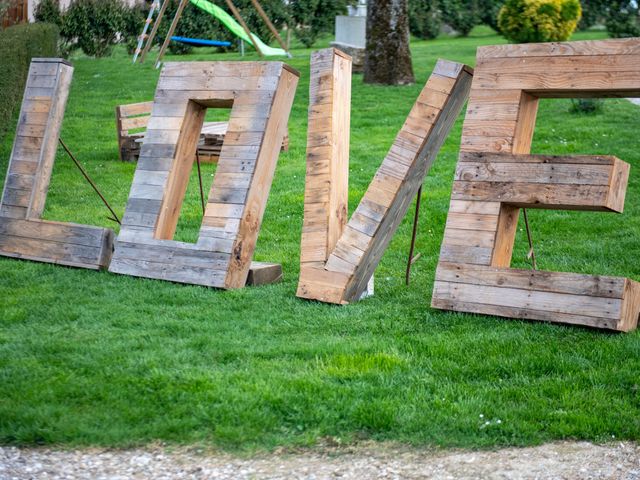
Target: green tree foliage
(461, 15)
(623, 18)
(523, 21)
(313, 17)
(593, 11)
(48, 11)
(488, 12)
(425, 18)
(93, 25)
(18, 45)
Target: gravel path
(566, 460)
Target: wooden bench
(132, 121)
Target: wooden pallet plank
(349, 267)
(260, 96)
(495, 171)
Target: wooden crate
(495, 178)
(338, 258)
(22, 232)
(260, 95)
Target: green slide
(235, 27)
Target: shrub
(93, 25)
(593, 12)
(589, 106)
(488, 12)
(425, 19)
(539, 20)
(623, 18)
(18, 45)
(48, 11)
(461, 15)
(313, 17)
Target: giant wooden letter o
(260, 95)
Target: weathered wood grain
(339, 270)
(496, 176)
(22, 233)
(260, 95)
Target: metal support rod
(532, 253)
(244, 26)
(412, 259)
(91, 182)
(273, 29)
(172, 29)
(200, 182)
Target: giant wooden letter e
(496, 177)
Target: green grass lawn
(100, 359)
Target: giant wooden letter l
(23, 234)
(260, 95)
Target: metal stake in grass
(413, 259)
(200, 182)
(532, 254)
(114, 217)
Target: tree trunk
(387, 57)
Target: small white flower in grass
(481, 415)
(498, 421)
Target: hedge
(18, 45)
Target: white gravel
(565, 460)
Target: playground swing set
(496, 176)
(238, 27)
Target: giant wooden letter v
(338, 258)
(260, 95)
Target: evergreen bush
(18, 45)
(523, 21)
(425, 19)
(623, 18)
(93, 25)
